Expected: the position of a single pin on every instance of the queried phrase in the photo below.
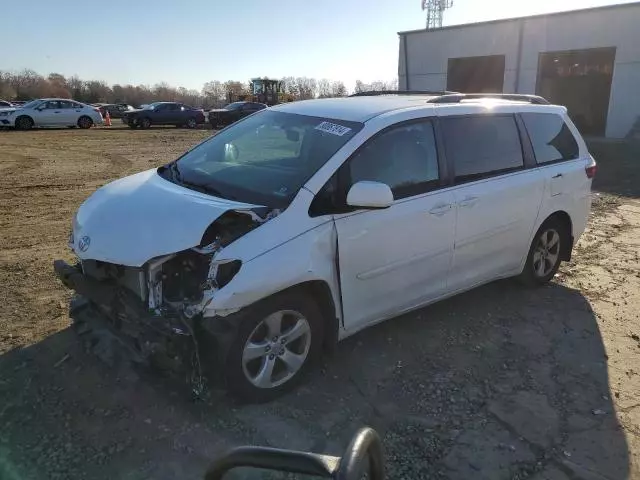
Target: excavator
(262, 90)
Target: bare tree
(324, 88)
(307, 88)
(290, 85)
(338, 89)
(214, 93)
(235, 88)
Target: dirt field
(502, 382)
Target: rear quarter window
(482, 146)
(551, 137)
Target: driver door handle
(440, 209)
(559, 175)
(468, 202)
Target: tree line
(28, 85)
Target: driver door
(395, 259)
(49, 114)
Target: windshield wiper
(176, 176)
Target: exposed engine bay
(179, 283)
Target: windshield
(264, 159)
(234, 106)
(153, 105)
(31, 104)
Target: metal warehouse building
(588, 60)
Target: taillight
(591, 170)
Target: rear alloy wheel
(545, 253)
(144, 123)
(274, 347)
(85, 122)
(191, 123)
(24, 123)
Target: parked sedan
(50, 112)
(116, 110)
(233, 112)
(164, 113)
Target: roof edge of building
(528, 17)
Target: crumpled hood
(218, 110)
(136, 218)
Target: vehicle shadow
(501, 382)
(618, 167)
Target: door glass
(482, 146)
(52, 105)
(66, 104)
(551, 138)
(404, 157)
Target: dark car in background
(5, 104)
(233, 112)
(116, 110)
(164, 113)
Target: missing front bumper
(117, 327)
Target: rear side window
(482, 146)
(551, 138)
(403, 157)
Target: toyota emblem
(83, 243)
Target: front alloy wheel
(276, 349)
(274, 346)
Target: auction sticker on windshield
(333, 128)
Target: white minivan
(306, 222)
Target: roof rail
(374, 93)
(517, 97)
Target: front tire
(274, 347)
(85, 122)
(144, 123)
(545, 253)
(24, 123)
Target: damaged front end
(154, 311)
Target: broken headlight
(226, 272)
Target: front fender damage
(188, 281)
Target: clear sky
(189, 42)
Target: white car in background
(50, 112)
(306, 222)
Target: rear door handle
(468, 202)
(559, 175)
(440, 209)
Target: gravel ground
(501, 382)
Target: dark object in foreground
(233, 112)
(364, 454)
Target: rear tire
(545, 253)
(24, 123)
(290, 361)
(85, 122)
(191, 123)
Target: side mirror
(231, 152)
(366, 194)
